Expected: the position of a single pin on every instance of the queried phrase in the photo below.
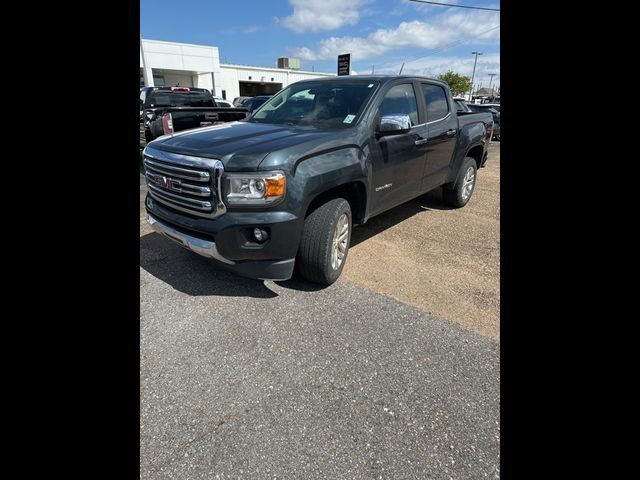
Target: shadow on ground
(390, 218)
(189, 273)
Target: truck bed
(467, 121)
(185, 118)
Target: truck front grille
(185, 183)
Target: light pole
(474, 71)
(491, 75)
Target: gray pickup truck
(284, 188)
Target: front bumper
(262, 270)
(201, 247)
(224, 239)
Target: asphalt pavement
(250, 379)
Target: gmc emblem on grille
(166, 182)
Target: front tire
(460, 195)
(325, 242)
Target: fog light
(260, 235)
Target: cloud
(252, 29)
(433, 66)
(316, 15)
(445, 29)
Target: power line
(459, 6)
(453, 44)
(464, 40)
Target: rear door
(398, 160)
(442, 134)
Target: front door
(397, 160)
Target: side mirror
(394, 125)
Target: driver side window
(400, 100)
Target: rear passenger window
(400, 100)
(436, 100)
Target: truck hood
(241, 146)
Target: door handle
(421, 141)
(451, 132)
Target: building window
(158, 80)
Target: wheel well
(476, 154)
(354, 193)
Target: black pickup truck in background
(285, 187)
(165, 110)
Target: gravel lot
(444, 262)
(250, 379)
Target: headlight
(254, 188)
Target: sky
(379, 34)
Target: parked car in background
(285, 187)
(239, 101)
(491, 100)
(165, 110)
(495, 106)
(253, 103)
(476, 107)
(223, 103)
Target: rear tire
(460, 195)
(325, 242)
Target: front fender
(321, 173)
(314, 175)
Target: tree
(459, 84)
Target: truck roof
(177, 89)
(377, 78)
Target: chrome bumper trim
(201, 247)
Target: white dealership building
(169, 64)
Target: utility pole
(474, 71)
(491, 75)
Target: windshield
(256, 102)
(180, 99)
(321, 104)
